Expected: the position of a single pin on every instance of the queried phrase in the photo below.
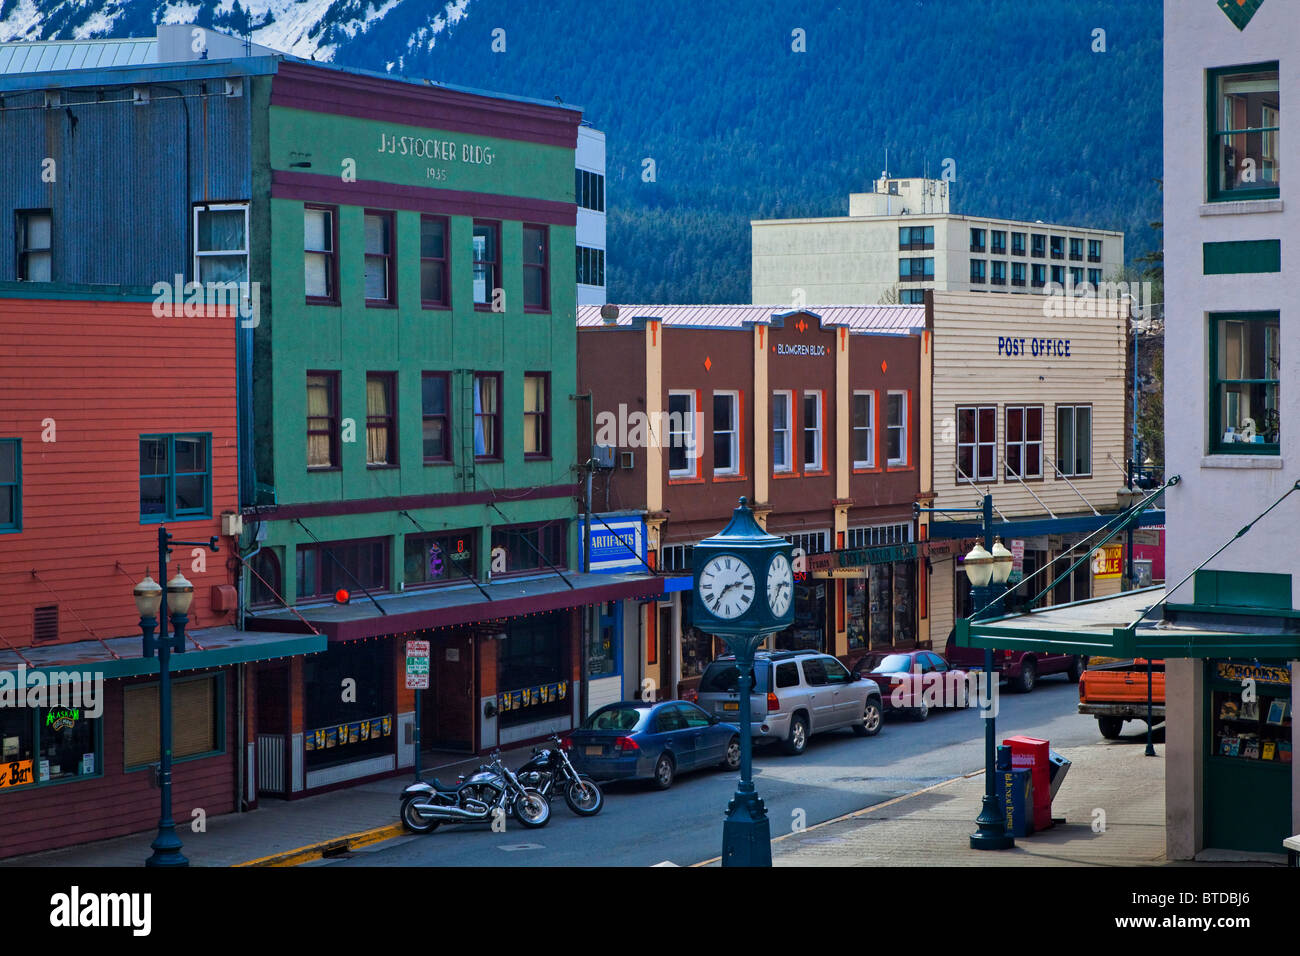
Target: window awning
(1109, 627)
(460, 604)
(1030, 527)
(222, 646)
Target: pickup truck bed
(1117, 691)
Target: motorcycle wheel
(532, 809)
(584, 797)
(413, 821)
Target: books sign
(417, 665)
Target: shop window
(343, 728)
(320, 254)
(726, 433)
(1245, 363)
(530, 548)
(537, 269)
(42, 745)
(487, 416)
(380, 280)
(1244, 122)
(697, 647)
(882, 606)
(435, 262)
(1076, 586)
(175, 477)
(1074, 441)
(682, 454)
(322, 419)
(808, 632)
(443, 558)
(487, 261)
(1254, 727)
(977, 443)
(435, 411)
(864, 429)
(1024, 451)
(381, 419)
(324, 569)
(532, 670)
(266, 584)
(11, 484)
(221, 242)
(537, 415)
(812, 431)
(782, 432)
(35, 245)
(197, 729)
(602, 642)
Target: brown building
(819, 417)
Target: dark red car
(915, 682)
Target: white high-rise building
(589, 193)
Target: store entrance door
(451, 704)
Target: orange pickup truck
(1116, 691)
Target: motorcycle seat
(445, 787)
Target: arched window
(266, 566)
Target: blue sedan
(634, 740)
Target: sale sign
(1108, 561)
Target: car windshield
(722, 677)
(615, 718)
(891, 663)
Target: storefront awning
(1110, 627)
(221, 646)
(1030, 527)
(452, 606)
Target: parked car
(796, 694)
(1117, 691)
(901, 677)
(635, 740)
(1021, 668)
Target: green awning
(1110, 627)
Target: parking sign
(417, 665)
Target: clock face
(727, 586)
(780, 585)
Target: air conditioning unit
(232, 524)
(603, 456)
(627, 460)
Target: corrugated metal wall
(119, 197)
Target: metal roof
(882, 319)
(45, 56)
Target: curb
(317, 851)
(857, 813)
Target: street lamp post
(153, 603)
(988, 566)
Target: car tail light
(626, 743)
(772, 702)
(566, 743)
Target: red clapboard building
(112, 422)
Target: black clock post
(744, 591)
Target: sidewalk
(1111, 783)
(277, 826)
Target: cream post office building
(1029, 407)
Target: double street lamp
(153, 603)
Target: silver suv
(796, 694)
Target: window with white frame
(1024, 453)
(782, 432)
(221, 242)
(726, 433)
(675, 557)
(1074, 440)
(864, 429)
(977, 443)
(812, 542)
(876, 536)
(896, 428)
(681, 434)
(812, 431)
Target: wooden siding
(106, 372)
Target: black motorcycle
(551, 771)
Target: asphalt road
(838, 773)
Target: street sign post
(417, 679)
